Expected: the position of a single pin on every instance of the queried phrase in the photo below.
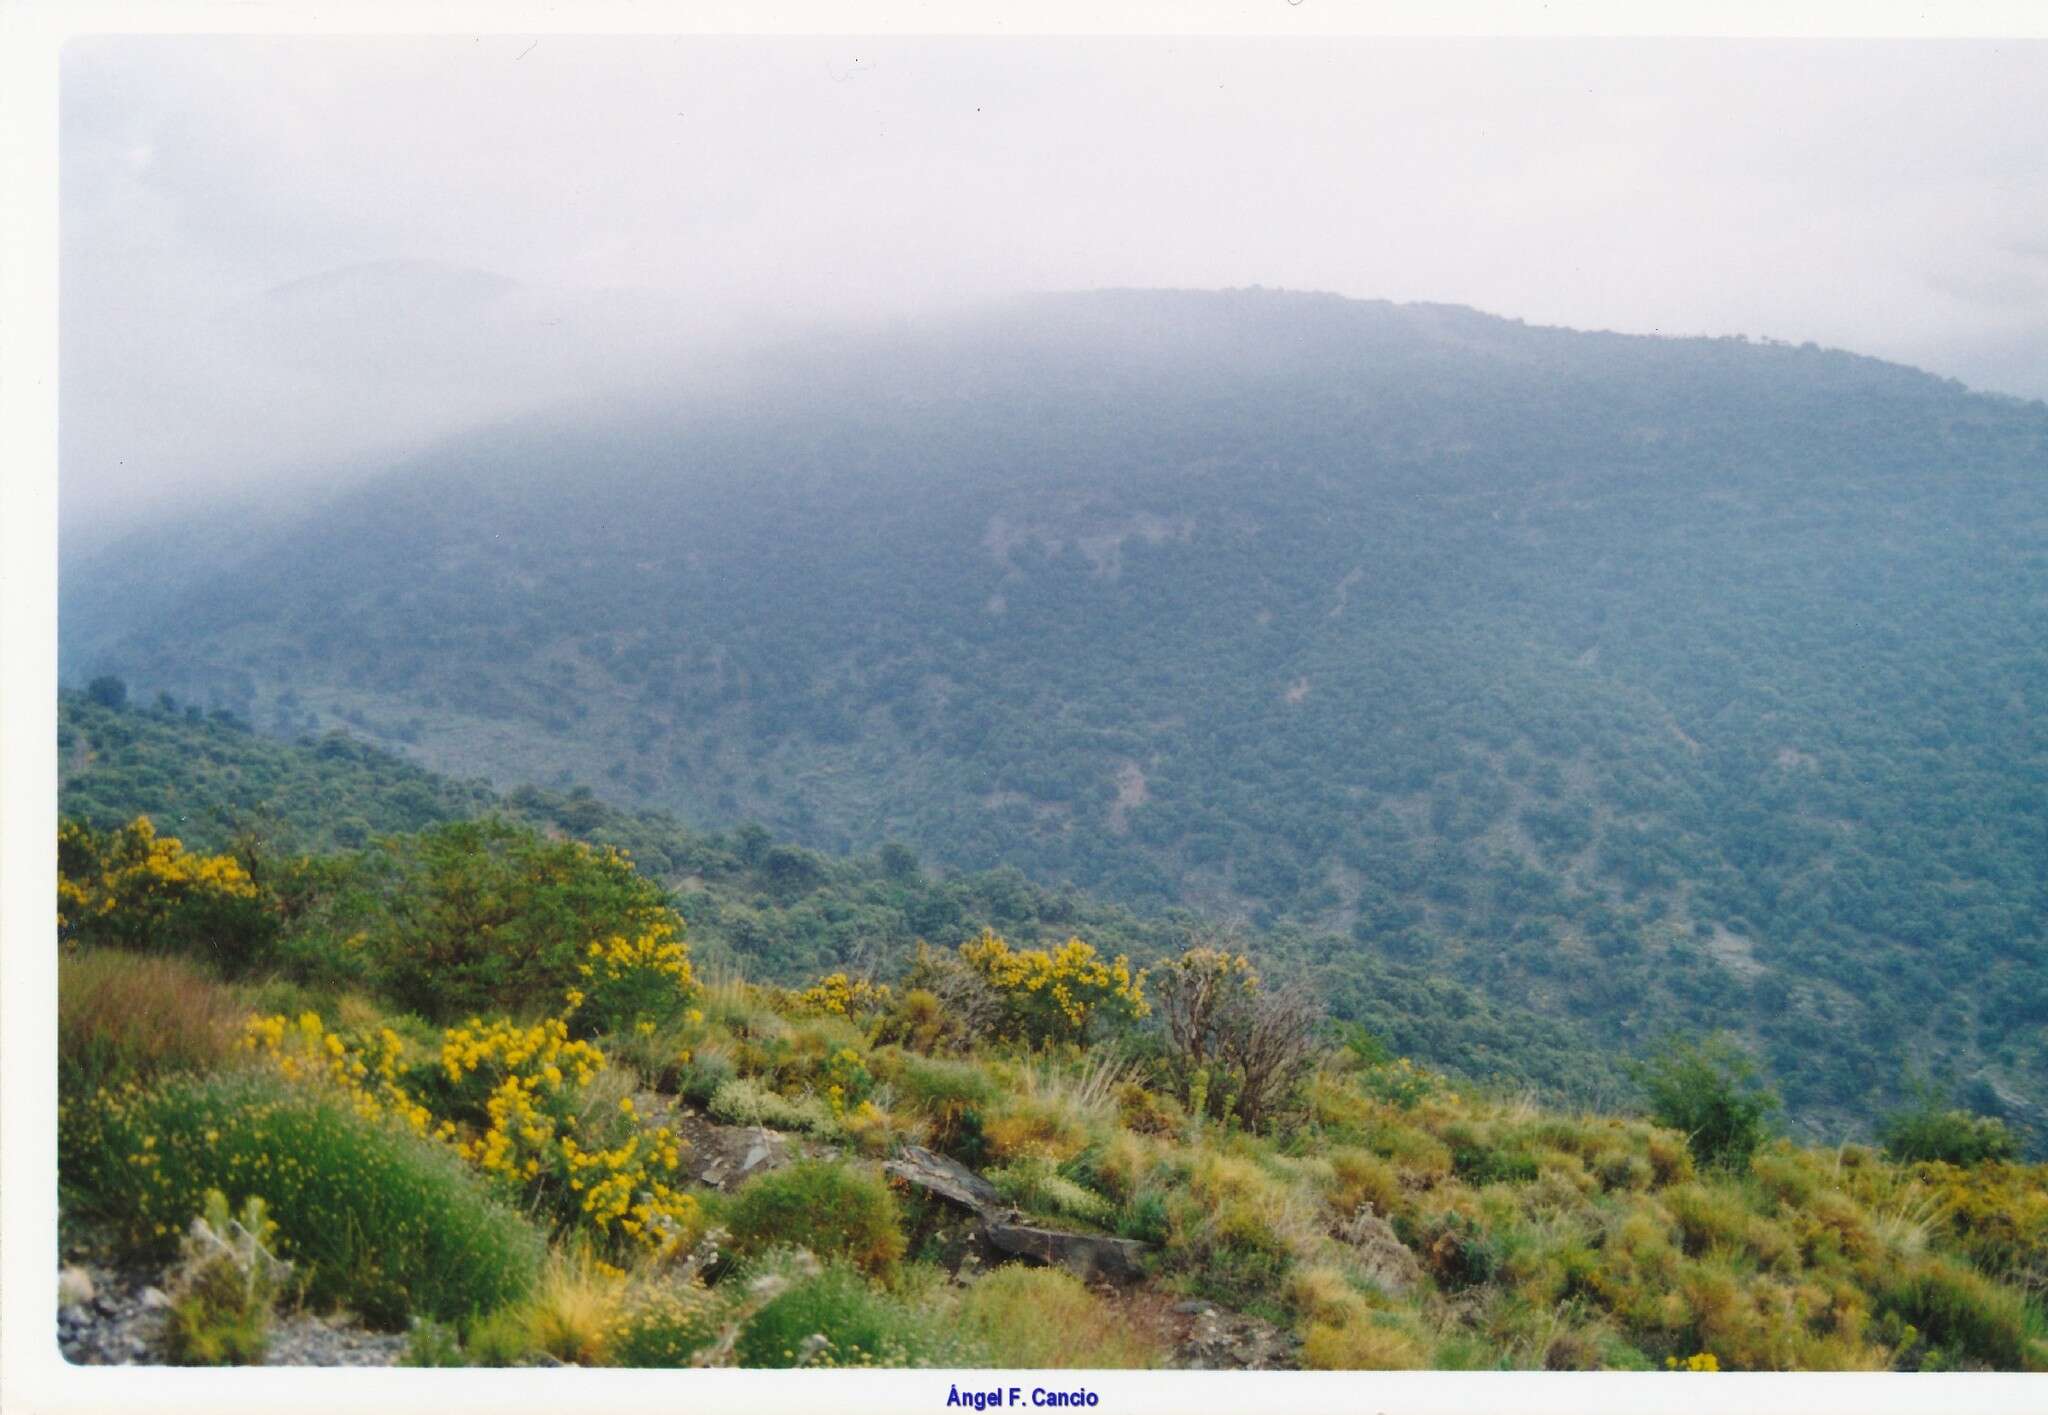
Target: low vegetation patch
(376, 1219)
(836, 1210)
(514, 1174)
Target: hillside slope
(1650, 681)
(768, 910)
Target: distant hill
(1647, 682)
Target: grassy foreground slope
(1644, 682)
(464, 1090)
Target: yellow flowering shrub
(836, 995)
(516, 1102)
(633, 981)
(847, 1081)
(132, 888)
(520, 1098)
(1055, 994)
(368, 1070)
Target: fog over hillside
(287, 260)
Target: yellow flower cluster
(1072, 982)
(543, 1051)
(526, 1137)
(366, 1070)
(1704, 1361)
(657, 949)
(134, 866)
(634, 979)
(836, 995)
(848, 1079)
(620, 1186)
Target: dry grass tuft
(130, 1017)
(1041, 1318)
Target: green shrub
(953, 1096)
(1480, 1165)
(862, 1324)
(377, 1219)
(433, 1344)
(1709, 1092)
(665, 1328)
(833, 1209)
(1961, 1309)
(486, 916)
(1930, 1130)
(500, 1338)
(700, 1078)
(1036, 1184)
(1230, 1252)
(1145, 1217)
(748, 1102)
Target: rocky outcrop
(724, 1157)
(947, 1178)
(1213, 1339)
(1086, 1255)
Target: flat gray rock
(947, 1178)
(1086, 1255)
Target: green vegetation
(863, 1324)
(834, 1210)
(1933, 1129)
(1662, 684)
(223, 1291)
(1708, 1092)
(379, 1221)
(522, 1185)
(781, 913)
(1043, 1319)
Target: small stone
(756, 1155)
(153, 1299)
(74, 1287)
(1191, 1309)
(811, 1346)
(545, 1360)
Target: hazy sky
(538, 219)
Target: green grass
(378, 1220)
(864, 1324)
(835, 1210)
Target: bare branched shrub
(1270, 1043)
(1234, 1047)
